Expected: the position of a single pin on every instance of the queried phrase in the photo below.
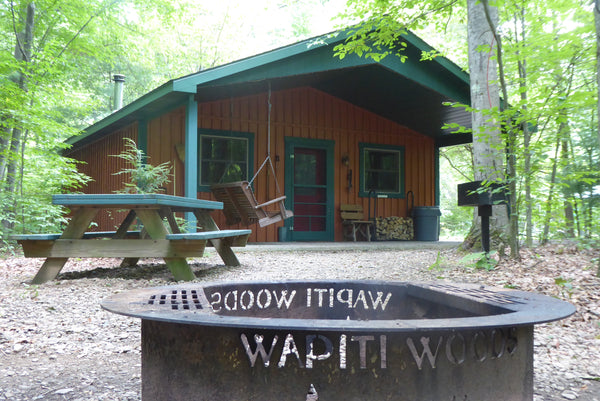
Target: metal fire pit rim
(533, 310)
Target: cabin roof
(411, 93)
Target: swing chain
(268, 158)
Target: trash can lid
(426, 211)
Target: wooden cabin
(351, 131)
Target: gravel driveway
(56, 343)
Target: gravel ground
(56, 343)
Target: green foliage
(549, 66)
(144, 178)
(65, 84)
(480, 260)
(439, 263)
(565, 285)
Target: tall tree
(597, 25)
(488, 142)
(53, 43)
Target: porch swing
(240, 204)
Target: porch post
(436, 158)
(190, 188)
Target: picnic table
(154, 239)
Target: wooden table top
(132, 201)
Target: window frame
(248, 136)
(400, 150)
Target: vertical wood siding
(165, 133)
(101, 167)
(309, 113)
(301, 113)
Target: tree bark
(488, 154)
(564, 156)
(597, 21)
(526, 134)
(548, 209)
(23, 45)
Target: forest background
(57, 59)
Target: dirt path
(56, 343)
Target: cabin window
(224, 157)
(381, 170)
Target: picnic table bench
(154, 240)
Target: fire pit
(326, 340)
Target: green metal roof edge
(189, 83)
(448, 64)
(132, 107)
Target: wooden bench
(354, 223)
(235, 237)
(55, 236)
(100, 244)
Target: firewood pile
(394, 228)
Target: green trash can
(426, 222)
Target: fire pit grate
(480, 293)
(177, 300)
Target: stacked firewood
(394, 228)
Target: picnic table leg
(122, 232)
(75, 229)
(167, 213)
(154, 226)
(222, 246)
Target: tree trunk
(488, 154)
(22, 53)
(564, 156)
(526, 135)
(597, 20)
(548, 211)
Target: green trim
(304, 58)
(190, 82)
(126, 111)
(427, 74)
(191, 149)
(249, 136)
(447, 64)
(329, 146)
(436, 161)
(362, 191)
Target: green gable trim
(312, 59)
(190, 82)
(443, 61)
(124, 114)
(311, 62)
(428, 74)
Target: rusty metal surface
(334, 341)
(335, 305)
(190, 362)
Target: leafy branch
(144, 178)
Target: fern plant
(144, 178)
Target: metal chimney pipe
(118, 94)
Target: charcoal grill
(337, 340)
(475, 193)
